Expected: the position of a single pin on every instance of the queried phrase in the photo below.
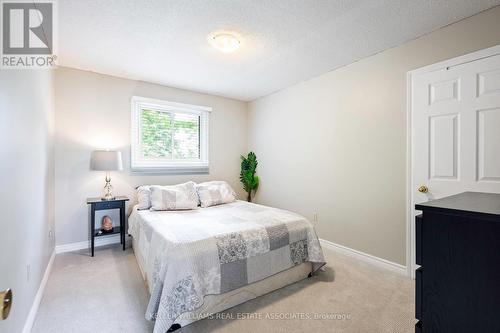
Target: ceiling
(283, 41)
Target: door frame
(410, 223)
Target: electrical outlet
(28, 269)
(315, 217)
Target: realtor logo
(27, 34)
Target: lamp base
(108, 189)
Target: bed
(199, 262)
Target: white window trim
(140, 165)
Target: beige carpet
(106, 294)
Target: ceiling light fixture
(224, 42)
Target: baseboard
(382, 263)
(99, 241)
(38, 297)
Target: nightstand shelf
(97, 204)
(116, 230)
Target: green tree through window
(167, 135)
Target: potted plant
(247, 175)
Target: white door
(456, 130)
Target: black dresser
(458, 250)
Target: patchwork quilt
(190, 254)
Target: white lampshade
(106, 160)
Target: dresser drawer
(108, 205)
(418, 239)
(418, 293)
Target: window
(169, 137)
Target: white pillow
(144, 197)
(176, 197)
(215, 193)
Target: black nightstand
(99, 204)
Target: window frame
(159, 165)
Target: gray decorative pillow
(176, 197)
(215, 193)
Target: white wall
(336, 144)
(27, 179)
(93, 111)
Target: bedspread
(191, 254)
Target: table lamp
(106, 160)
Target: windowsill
(194, 170)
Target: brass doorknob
(423, 189)
(5, 303)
